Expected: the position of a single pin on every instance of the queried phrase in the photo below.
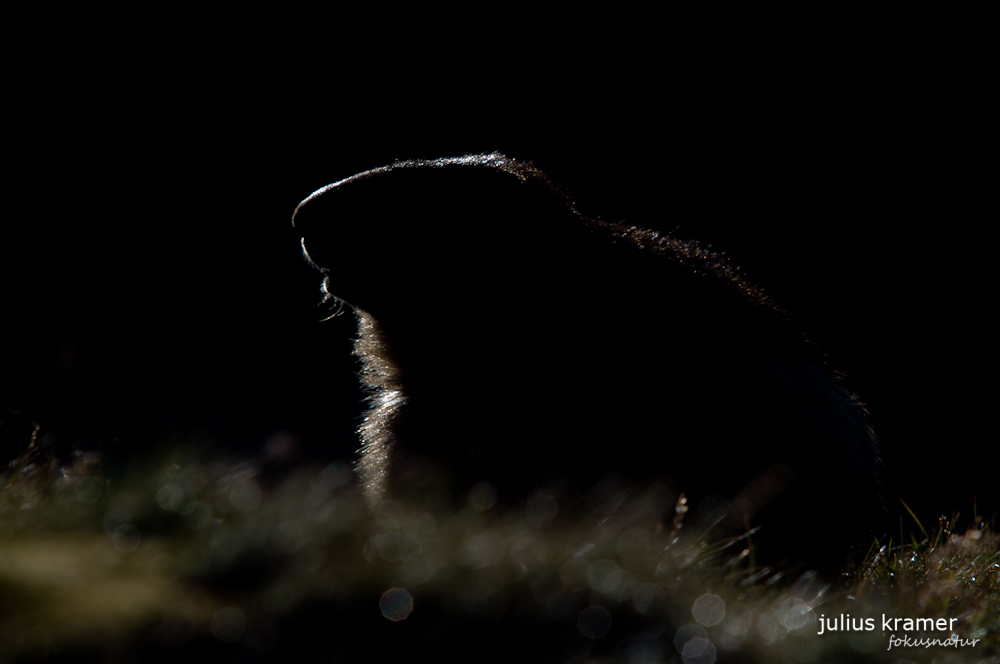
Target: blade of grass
(920, 525)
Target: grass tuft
(222, 557)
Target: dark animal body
(519, 342)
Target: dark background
(154, 292)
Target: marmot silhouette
(519, 342)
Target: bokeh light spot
(709, 610)
(796, 614)
(594, 622)
(604, 576)
(396, 604)
(688, 633)
(698, 651)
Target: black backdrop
(154, 292)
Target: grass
(225, 558)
